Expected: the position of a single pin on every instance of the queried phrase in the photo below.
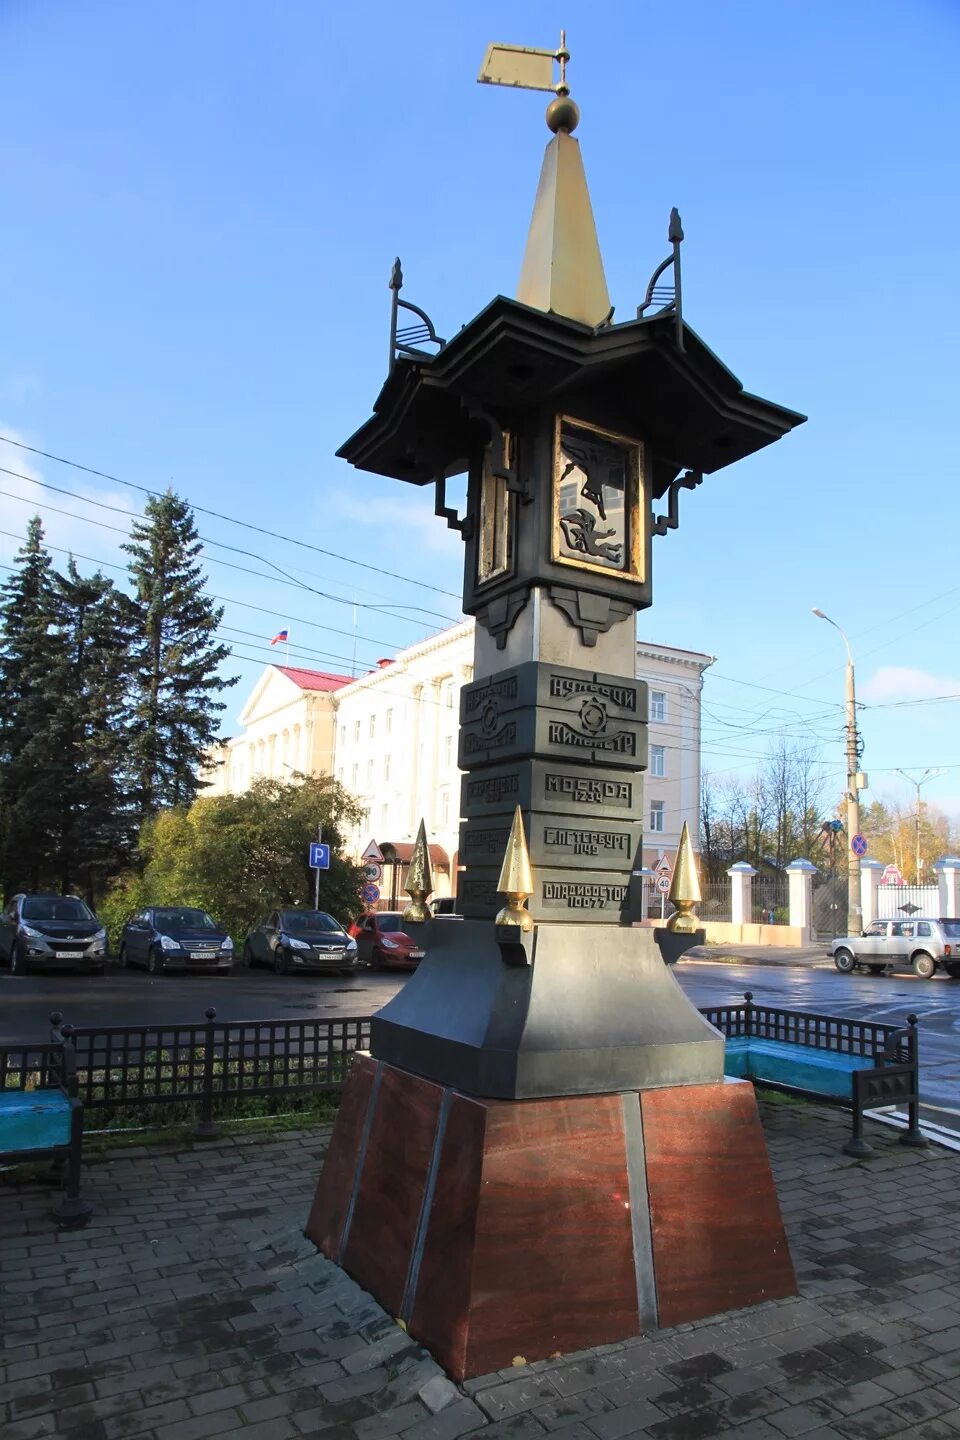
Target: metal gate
(829, 905)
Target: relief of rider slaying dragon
(591, 493)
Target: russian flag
(280, 638)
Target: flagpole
(353, 662)
(286, 648)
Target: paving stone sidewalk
(192, 1307)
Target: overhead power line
(230, 519)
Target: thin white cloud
(409, 519)
(903, 682)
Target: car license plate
(416, 954)
(203, 954)
(70, 954)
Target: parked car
(923, 945)
(175, 937)
(301, 940)
(382, 941)
(51, 930)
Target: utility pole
(316, 873)
(855, 782)
(928, 774)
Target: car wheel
(924, 965)
(18, 964)
(845, 962)
(279, 963)
(122, 961)
(953, 971)
(248, 957)
(877, 969)
(154, 963)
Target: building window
(386, 767)
(373, 726)
(656, 816)
(658, 704)
(340, 775)
(369, 773)
(384, 815)
(445, 808)
(389, 721)
(448, 751)
(356, 730)
(658, 761)
(450, 693)
(353, 777)
(343, 734)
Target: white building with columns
(390, 738)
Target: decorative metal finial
(516, 878)
(419, 882)
(685, 890)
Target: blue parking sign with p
(319, 856)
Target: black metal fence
(867, 1038)
(128, 1067)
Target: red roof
(314, 679)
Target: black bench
(858, 1063)
(41, 1116)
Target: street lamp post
(928, 774)
(854, 907)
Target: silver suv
(923, 945)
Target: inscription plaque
(566, 788)
(569, 895)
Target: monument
(540, 1152)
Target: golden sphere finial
(563, 113)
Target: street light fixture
(928, 774)
(854, 784)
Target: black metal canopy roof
(511, 359)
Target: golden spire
(516, 878)
(562, 269)
(685, 889)
(419, 882)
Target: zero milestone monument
(540, 1153)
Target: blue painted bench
(859, 1063)
(44, 1120)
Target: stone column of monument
(540, 1152)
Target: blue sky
(201, 204)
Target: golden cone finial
(685, 889)
(419, 882)
(516, 878)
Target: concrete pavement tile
(390, 1422)
(923, 1405)
(702, 1426)
(848, 1399)
(626, 1420)
(513, 1396)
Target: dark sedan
(175, 937)
(47, 930)
(301, 940)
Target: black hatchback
(175, 937)
(47, 930)
(290, 940)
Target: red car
(382, 941)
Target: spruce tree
(175, 657)
(31, 674)
(95, 832)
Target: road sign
(859, 845)
(663, 884)
(892, 876)
(319, 856)
(372, 871)
(373, 852)
(370, 893)
(663, 866)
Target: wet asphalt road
(129, 997)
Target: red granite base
(498, 1228)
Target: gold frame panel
(636, 539)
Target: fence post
(741, 887)
(800, 874)
(205, 1129)
(913, 1135)
(748, 1011)
(870, 872)
(947, 872)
